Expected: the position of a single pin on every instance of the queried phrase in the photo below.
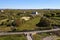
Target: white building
(35, 13)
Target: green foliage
(40, 36)
(44, 22)
(52, 17)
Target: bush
(43, 23)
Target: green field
(29, 25)
(40, 36)
(13, 37)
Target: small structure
(25, 18)
(35, 13)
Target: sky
(29, 4)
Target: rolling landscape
(29, 20)
(16, 24)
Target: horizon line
(29, 8)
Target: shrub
(44, 22)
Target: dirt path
(50, 38)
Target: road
(30, 32)
(29, 37)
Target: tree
(16, 22)
(44, 22)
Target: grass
(13, 37)
(39, 36)
(36, 37)
(29, 25)
(3, 28)
(43, 35)
(56, 18)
